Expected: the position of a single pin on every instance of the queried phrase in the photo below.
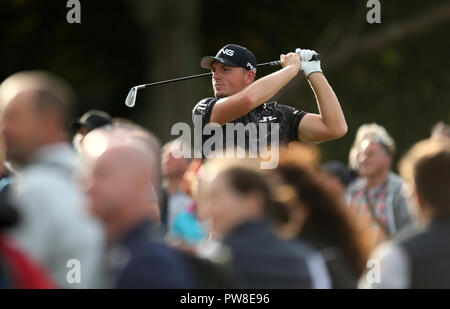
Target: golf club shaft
(271, 63)
(278, 62)
(175, 80)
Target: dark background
(395, 73)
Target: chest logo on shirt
(268, 118)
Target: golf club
(130, 101)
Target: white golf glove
(308, 66)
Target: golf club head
(130, 101)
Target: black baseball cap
(92, 119)
(232, 55)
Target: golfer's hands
(308, 66)
(291, 59)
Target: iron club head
(130, 101)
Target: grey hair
(375, 133)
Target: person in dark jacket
(241, 205)
(121, 196)
(311, 211)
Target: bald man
(124, 169)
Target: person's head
(237, 193)
(35, 108)
(89, 121)
(441, 131)
(172, 164)
(309, 209)
(339, 174)
(426, 168)
(123, 169)
(233, 68)
(372, 151)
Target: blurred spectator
(89, 121)
(441, 131)
(191, 225)
(174, 199)
(8, 214)
(377, 194)
(6, 171)
(339, 171)
(125, 163)
(421, 259)
(55, 226)
(19, 271)
(241, 205)
(309, 211)
(187, 228)
(339, 175)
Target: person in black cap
(89, 121)
(238, 98)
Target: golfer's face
(227, 80)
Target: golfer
(238, 98)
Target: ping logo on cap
(228, 52)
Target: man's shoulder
(40, 175)
(148, 243)
(356, 185)
(207, 100)
(417, 237)
(395, 180)
(151, 248)
(153, 264)
(203, 104)
(158, 254)
(42, 180)
(274, 105)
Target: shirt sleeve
(292, 117)
(204, 109)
